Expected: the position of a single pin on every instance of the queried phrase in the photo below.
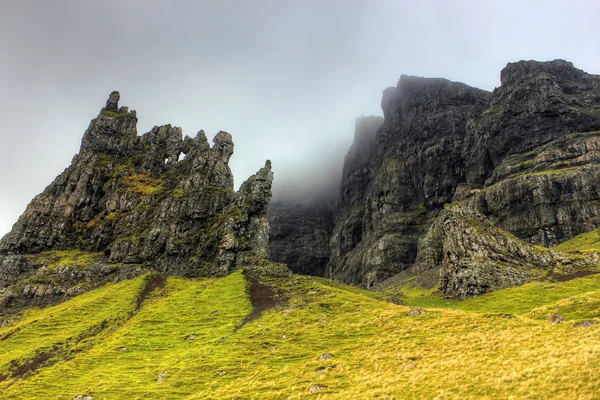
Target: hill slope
(155, 337)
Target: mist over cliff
(314, 175)
(254, 69)
(432, 192)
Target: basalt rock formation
(390, 194)
(522, 159)
(300, 234)
(455, 187)
(443, 141)
(129, 203)
(468, 256)
(547, 195)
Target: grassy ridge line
(585, 306)
(575, 300)
(381, 352)
(40, 333)
(518, 300)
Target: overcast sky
(286, 78)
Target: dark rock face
(300, 234)
(32, 283)
(547, 195)
(536, 103)
(157, 201)
(454, 187)
(443, 140)
(390, 194)
(301, 228)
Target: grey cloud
(286, 78)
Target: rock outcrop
(301, 226)
(523, 158)
(471, 256)
(300, 234)
(156, 201)
(536, 102)
(443, 140)
(547, 195)
(390, 193)
(454, 186)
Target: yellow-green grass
(585, 242)
(518, 300)
(144, 184)
(379, 351)
(67, 258)
(178, 193)
(115, 114)
(57, 329)
(584, 306)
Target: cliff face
(466, 255)
(392, 192)
(547, 195)
(301, 226)
(131, 202)
(536, 103)
(300, 234)
(511, 156)
(417, 188)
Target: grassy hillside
(585, 242)
(184, 338)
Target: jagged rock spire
(137, 201)
(112, 104)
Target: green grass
(585, 242)
(178, 193)
(519, 300)
(59, 328)
(144, 184)
(55, 259)
(580, 307)
(115, 114)
(378, 350)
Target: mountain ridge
(443, 141)
(130, 203)
(473, 218)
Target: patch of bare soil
(262, 297)
(569, 277)
(154, 283)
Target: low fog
(286, 78)
(314, 175)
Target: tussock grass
(518, 300)
(115, 114)
(377, 350)
(57, 329)
(584, 306)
